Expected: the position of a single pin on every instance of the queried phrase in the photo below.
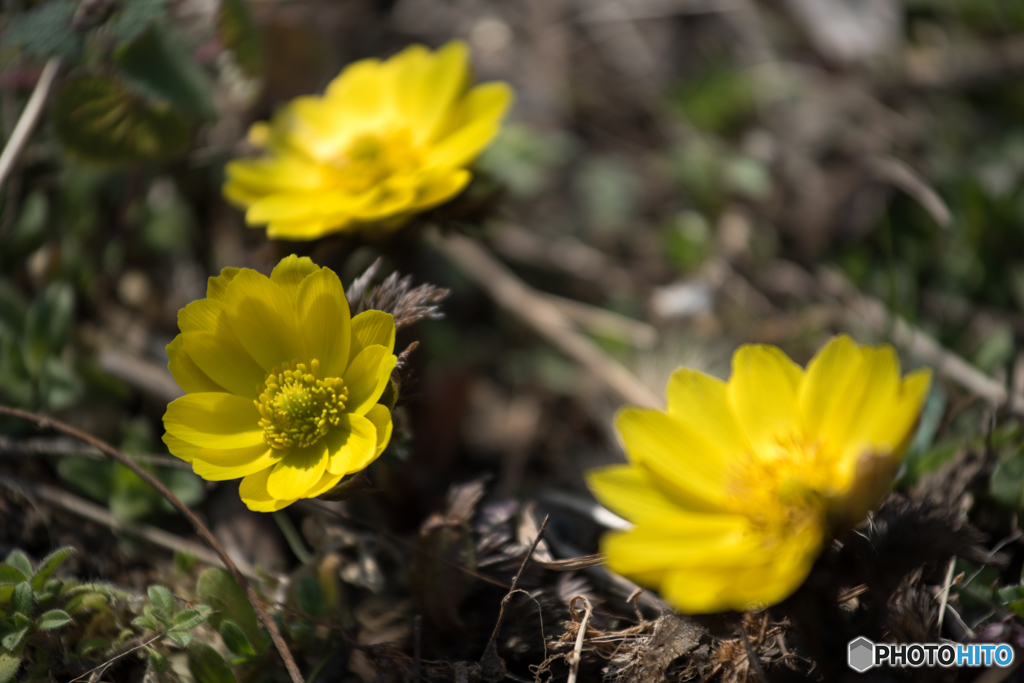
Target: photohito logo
(863, 654)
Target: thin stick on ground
(545, 317)
(491, 651)
(577, 651)
(28, 119)
(204, 532)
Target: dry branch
(539, 312)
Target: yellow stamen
(298, 409)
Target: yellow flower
(387, 140)
(736, 487)
(281, 384)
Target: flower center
(783, 488)
(372, 157)
(297, 408)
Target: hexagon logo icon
(861, 654)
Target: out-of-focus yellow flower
(387, 140)
(735, 488)
(281, 384)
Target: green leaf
(13, 309)
(22, 599)
(145, 622)
(136, 17)
(29, 231)
(12, 640)
(45, 30)
(59, 385)
(55, 618)
(97, 119)
(47, 325)
(1007, 482)
(10, 662)
(50, 564)
(182, 638)
(158, 661)
(162, 599)
(94, 479)
(9, 574)
(163, 68)
(218, 589)
(309, 596)
(239, 33)
(85, 601)
(207, 666)
(19, 561)
(235, 640)
(188, 619)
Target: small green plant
(60, 627)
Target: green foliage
(688, 240)
(718, 99)
(127, 494)
(136, 16)
(524, 159)
(46, 30)
(99, 120)
(164, 69)
(34, 371)
(208, 666)
(218, 588)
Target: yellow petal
(310, 229)
(283, 206)
(867, 399)
(261, 316)
(298, 471)
(763, 392)
(359, 96)
(324, 321)
(367, 377)
(352, 445)
(393, 197)
(439, 189)
(179, 448)
(215, 349)
(684, 466)
(761, 578)
(184, 370)
(435, 91)
(381, 419)
(275, 174)
(628, 491)
(487, 102)
(370, 328)
(821, 397)
(217, 464)
(253, 491)
(214, 420)
(462, 146)
(217, 285)
(679, 540)
(289, 273)
(701, 403)
(327, 482)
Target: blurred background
(676, 177)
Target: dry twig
(537, 311)
(577, 652)
(204, 532)
(29, 117)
